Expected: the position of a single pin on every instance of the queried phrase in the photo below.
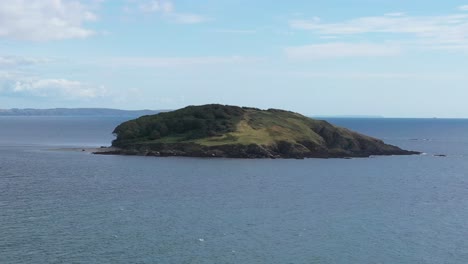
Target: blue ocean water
(73, 207)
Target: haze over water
(73, 207)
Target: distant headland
(242, 132)
(76, 112)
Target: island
(227, 131)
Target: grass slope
(267, 128)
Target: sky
(393, 58)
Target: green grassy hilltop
(241, 132)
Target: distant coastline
(346, 116)
(77, 112)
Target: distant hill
(76, 112)
(348, 116)
(242, 132)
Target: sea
(62, 206)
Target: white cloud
(167, 10)
(157, 6)
(4, 76)
(18, 76)
(41, 20)
(340, 50)
(186, 18)
(463, 8)
(18, 83)
(386, 24)
(235, 31)
(176, 61)
(61, 87)
(378, 75)
(17, 61)
(429, 30)
(328, 37)
(395, 14)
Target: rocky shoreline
(283, 150)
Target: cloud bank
(42, 20)
(57, 87)
(443, 32)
